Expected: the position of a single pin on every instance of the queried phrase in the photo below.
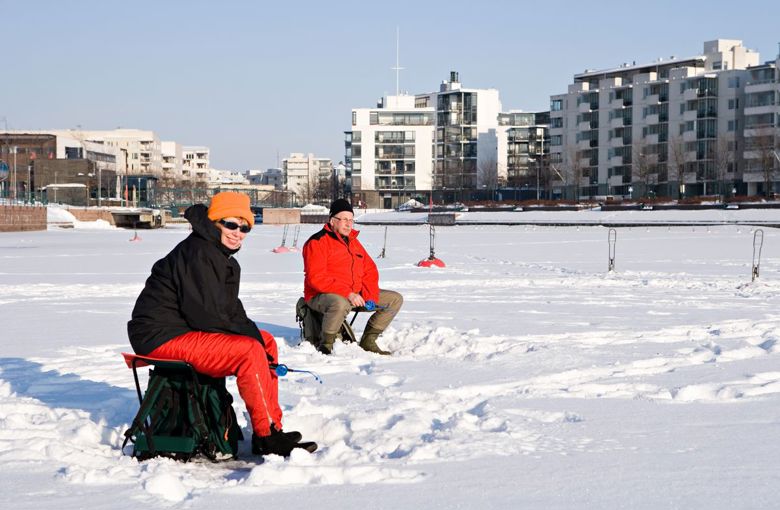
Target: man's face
(342, 222)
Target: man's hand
(356, 300)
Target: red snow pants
(221, 355)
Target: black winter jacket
(194, 288)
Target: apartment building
(38, 160)
(442, 143)
(667, 128)
(308, 177)
(172, 159)
(523, 146)
(761, 127)
(139, 151)
(195, 163)
(465, 138)
(389, 151)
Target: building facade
(523, 147)
(761, 128)
(440, 143)
(389, 153)
(43, 160)
(670, 128)
(308, 178)
(195, 164)
(172, 157)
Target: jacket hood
(203, 227)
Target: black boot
(368, 342)
(279, 443)
(326, 343)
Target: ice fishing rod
(370, 306)
(281, 370)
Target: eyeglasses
(232, 225)
(347, 220)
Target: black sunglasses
(232, 225)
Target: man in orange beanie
(189, 310)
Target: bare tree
(574, 169)
(722, 155)
(765, 145)
(487, 169)
(643, 164)
(678, 157)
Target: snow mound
(60, 216)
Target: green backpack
(184, 414)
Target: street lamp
(14, 149)
(631, 192)
(100, 182)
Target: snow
(58, 216)
(524, 375)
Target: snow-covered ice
(524, 375)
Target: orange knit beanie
(231, 203)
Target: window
(556, 140)
(556, 105)
(556, 122)
(734, 82)
(733, 103)
(354, 118)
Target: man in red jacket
(340, 275)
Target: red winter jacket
(334, 266)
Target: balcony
(760, 86)
(758, 110)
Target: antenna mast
(397, 67)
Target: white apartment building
(465, 137)
(390, 151)
(195, 163)
(308, 177)
(670, 127)
(441, 142)
(139, 151)
(522, 148)
(761, 127)
(226, 177)
(172, 156)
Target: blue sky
(252, 80)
